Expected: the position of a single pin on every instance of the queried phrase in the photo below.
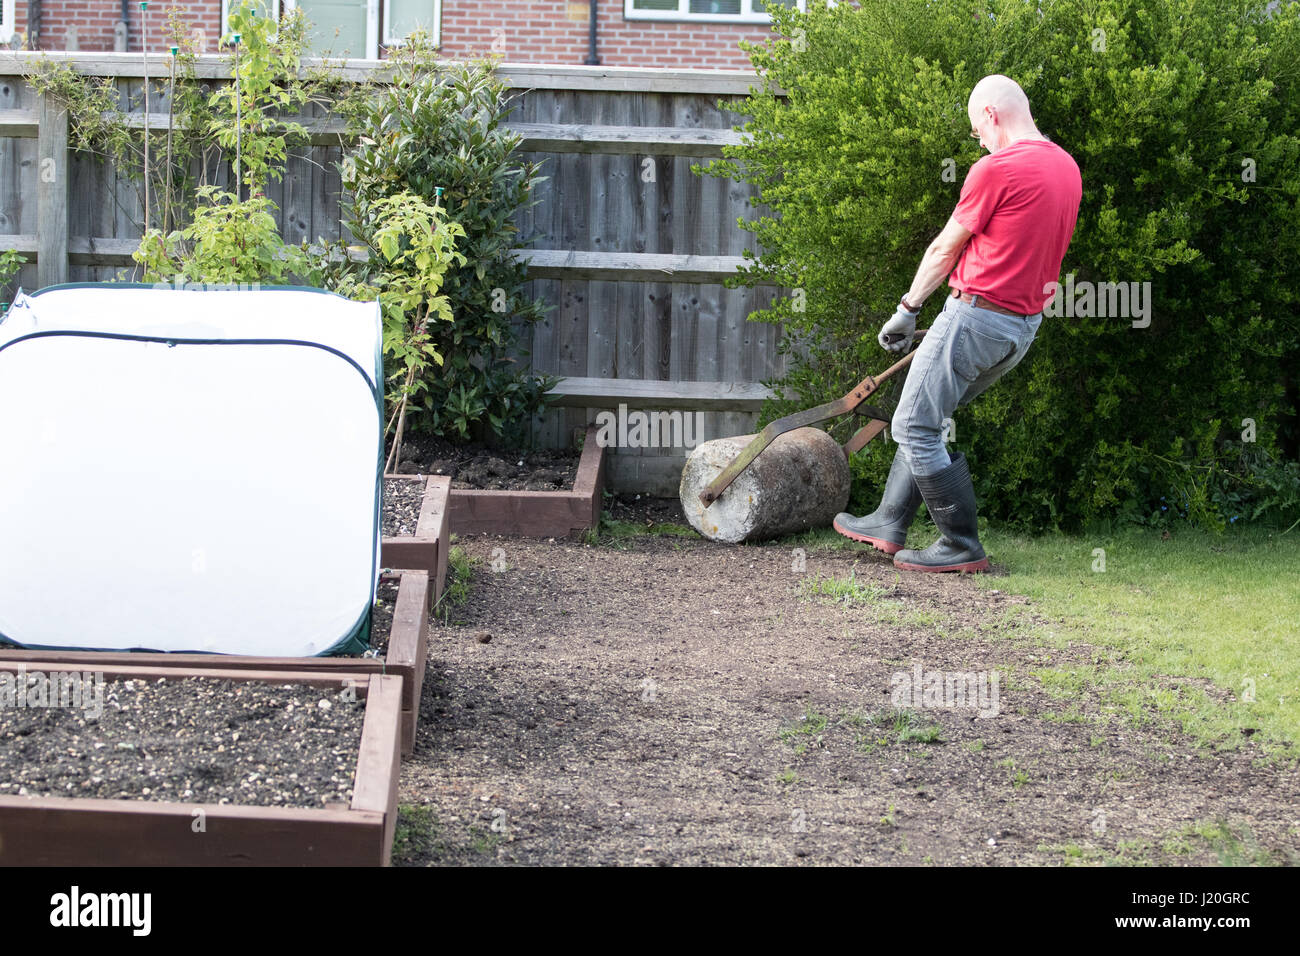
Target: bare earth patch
(475, 466)
(674, 701)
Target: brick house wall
(94, 19)
(555, 31)
(521, 31)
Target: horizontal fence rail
(536, 137)
(522, 76)
(542, 263)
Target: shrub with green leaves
(182, 158)
(10, 263)
(439, 129)
(416, 244)
(196, 230)
(232, 236)
(208, 130)
(1183, 118)
(247, 115)
(229, 241)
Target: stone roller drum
(788, 478)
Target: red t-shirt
(1021, 203)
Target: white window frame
(8, 28)
(751, 11)
(284, 6)
(225, 13)
(435, 35)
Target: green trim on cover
(165, 286)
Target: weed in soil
(415, 835)
(456, 589)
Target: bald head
(1003, 94)
(999, 110)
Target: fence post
(52, 193)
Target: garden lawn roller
(854, 403)
(790, 487)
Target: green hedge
(1168, 106)
(439, 130)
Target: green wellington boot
(950, 499)
(885, 529)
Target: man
(1001, 250)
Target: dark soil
(644, 510)
(474, 466)
(669, 700)
(190, 740)
(381, 617)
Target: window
(266, 8)
(352, 27)
(7, 26)
(712, 11)
(404, 17)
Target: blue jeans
(966, 350)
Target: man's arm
(938, 262)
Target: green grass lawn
(1225, 608)
(1220, 608)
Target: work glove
(896, 335)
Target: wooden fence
(630, 246)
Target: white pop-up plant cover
(186, 470)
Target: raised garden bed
(490, 469)
(534, 513)
(424, 547)
(401, 648)
(403, 652)
(169, 821)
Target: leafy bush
(221, 236)
(1169, 107)
(10, 263)
(439, 130)
(97, 127)
(416, 245)
(228, 241)
(247, 117)
(232, 237)
(209, 129)
(422, 136)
